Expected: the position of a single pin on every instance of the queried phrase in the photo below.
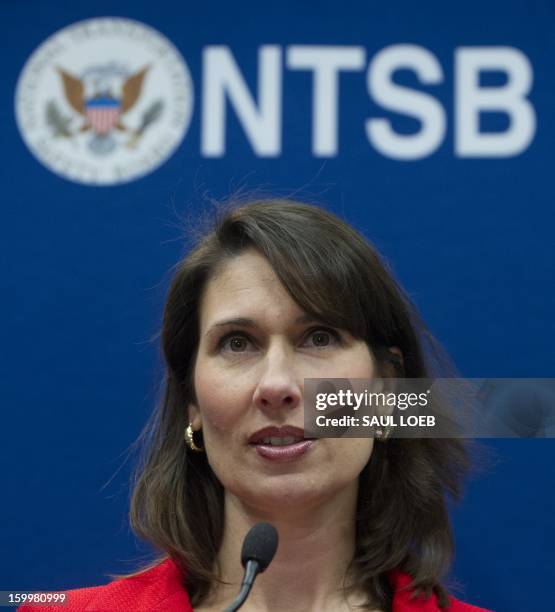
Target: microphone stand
(251, 570)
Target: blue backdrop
(465, 221)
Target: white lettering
(222, 79)
(326, 62)
(260, 113)
(406, 101)
(471, 100)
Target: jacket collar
(166, 580)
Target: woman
(276, 292)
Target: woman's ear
(393, 365)
(195, 418)
(398, 356)
(390, 368)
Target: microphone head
(260, 545)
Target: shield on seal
(103, 114)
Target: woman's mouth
(275, 441)
(282, 449)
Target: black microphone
(259, 548)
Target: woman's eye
(235, 343)
(321, 338)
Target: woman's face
(256, 348)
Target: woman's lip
(288, 452)
(284, 431)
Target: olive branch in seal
(152, 113)
(57, 121)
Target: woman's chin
(277, 494)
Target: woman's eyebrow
(246, 322)
(241, 321)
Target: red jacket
(160, 589)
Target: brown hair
(333, 273)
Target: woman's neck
(309, 570)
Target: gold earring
(190, 441)
(381, 435)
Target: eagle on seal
(102, 111)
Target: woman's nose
(278, 386)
